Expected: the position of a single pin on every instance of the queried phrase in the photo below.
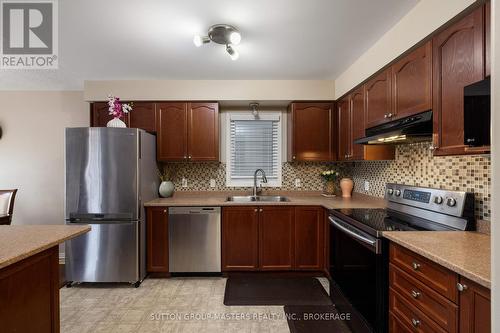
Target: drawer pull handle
(416, 266)
(415, 322)
(415, 294)
(461, 287)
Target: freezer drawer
(194, 236)
(108, 253)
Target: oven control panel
(443, 201)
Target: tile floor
(165, 305)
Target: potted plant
(166, 186)
(330, 176)
(117, 109)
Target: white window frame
(275, 116)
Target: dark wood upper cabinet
(309, 238)
(458, 60)
(487, 38)
(344, 124)
(357, 99)
(100, 115)
(240, 238)
(157, 239)
(143, 116)
(378, 99)
(188, 131)
(172, 132)
(311, 132)
(412, 82)
(475, 308)
(276, 241)
(203, 131)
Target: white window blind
(254, 144)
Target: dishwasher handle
(193, 210)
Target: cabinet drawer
(431, 274)
(410, 315)
(435, 306)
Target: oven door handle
(372, 243)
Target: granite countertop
(296, 199)
(18, 242)
(464, 252)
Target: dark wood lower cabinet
(475, 308)
(309, 238)
(157, 239)
(276, 238)
(431, 298)
(240, 239)
(29, 294)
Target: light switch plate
(367, 185)
(212, 183)
(298, 183)
(184, 182)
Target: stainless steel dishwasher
(194, 238)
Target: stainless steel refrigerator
(110, 173)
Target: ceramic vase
(116, 122)
(330, 187)
(166, 189)
(346, 185)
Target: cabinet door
(203, 131)
(487, 38)
(344, 129)
(276, 238)
(378, 99)
(171, 139)
(412, 82)
(309, 238)
(311, 132)
(240, 239)
(475, 308)
(143, 116)
(458, 60)
(100, 115)
(157, 239)
(357, 123)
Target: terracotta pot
(346, 185)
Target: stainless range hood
(411, 129)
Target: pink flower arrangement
(116, 108)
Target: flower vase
(166, 189)
(116, 122)
(330, 188)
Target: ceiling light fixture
(223, 34)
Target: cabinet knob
(415, 322)
(415, 294)
(386, 116)
(461, 287)
(189, 156)
(390, 115)
(415, 265)
(293, 157)
(255, 210)
(261, 210)
(164, 210)
(185, 156)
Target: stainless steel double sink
(257, 198)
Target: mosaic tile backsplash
(414, 165)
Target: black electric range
(359, 254)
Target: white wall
(421, 21)
(495, 161)
(219, 90)
(32, 150)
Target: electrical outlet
(184, 182)
(367, 185)
(212, 183)
(298, 182)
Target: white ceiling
(152, 39)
